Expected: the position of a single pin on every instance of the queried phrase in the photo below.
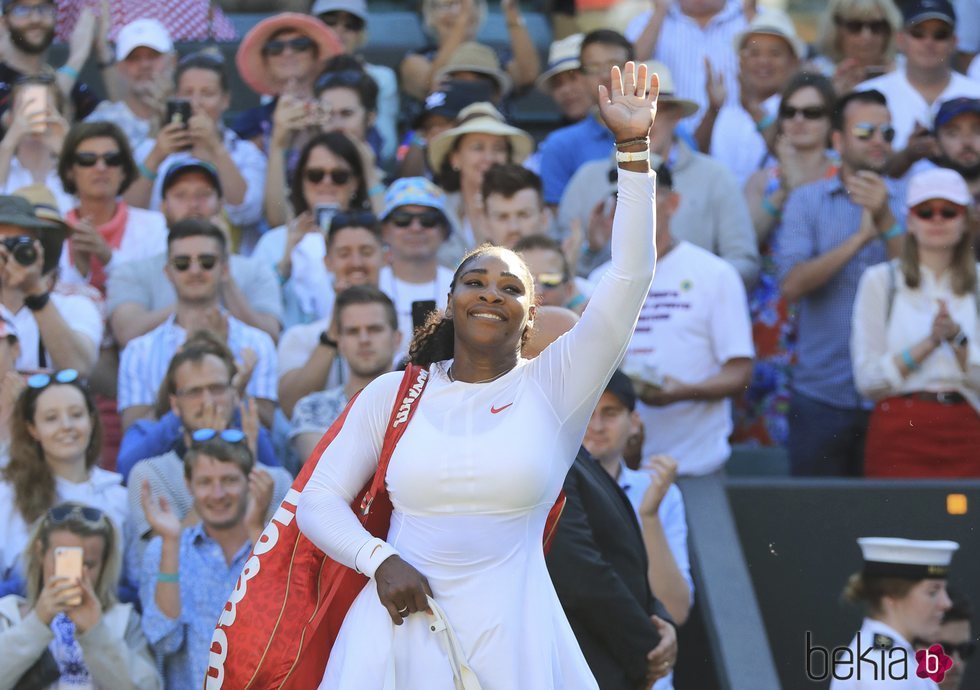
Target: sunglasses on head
(427, 219)
(299, 44)
(72, 511)
(347, 77)
(946, 211)
(865, 131)
(943, 34)
(810, 112)
(87, 159)
(879, 27)
(44, 380)
(182, 262)
(227, 435)
(338, 176)
(334, 20)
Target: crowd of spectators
(190, 295)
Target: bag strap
(892, 288)
(412, 385)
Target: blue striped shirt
(143, 364)
(183, 644)
(817, 218)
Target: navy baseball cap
(954, 108)
(621, 386)
(181, 168)
(452, 97)
(921, 10)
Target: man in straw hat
(55, 331)
(712, 213)
(563, 80)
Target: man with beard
(957, 132)
(145, 67)
(30, 30)
(367, 338)
(832, 230)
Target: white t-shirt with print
(403, 294)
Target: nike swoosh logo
(374, 551)
(495, 410)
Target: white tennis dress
(472, 481)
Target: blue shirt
(569, 148)
(206, 581)
(817, 218)
(148, 438)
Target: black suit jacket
(598, 564)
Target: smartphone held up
(68, 564)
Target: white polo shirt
(907, 105)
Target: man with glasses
(554, 283)
(567, 149)
(140, 297)
(414, 225)
(145, 60)
(200, 393)
(915, 91)
(188, 572)
(831, 231)
(197, 263)
(29, 32)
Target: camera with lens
(22, 249)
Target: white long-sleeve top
(876, 339)
(460, 458)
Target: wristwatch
(326, 341)
(960, 339)
(632, 156)
(37, 302)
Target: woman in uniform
(902, 586)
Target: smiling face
(491, 304)
(354, 257)
(99, 181)
(475, 153)
(220, 492)
(920, 612)
(767, 62)
(62, 424)
(326, 190)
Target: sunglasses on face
(427, 219)
(918, 33)
(945, 211)
(47, 11)
(227, 435)
(334, 20)
(299, 44)
(550, 280)
(865, 131)
(878, 27)
(182, 262)
(338, 176)
(44, 380)
(87, 159)
(810, 112)
(67, 511)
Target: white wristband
(371, 555)
(632, 156)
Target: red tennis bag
(281, 620)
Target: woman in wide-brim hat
(281, 55)
(459, 157)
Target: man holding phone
(145, 61)
(414, 225)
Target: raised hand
(260, 488)
(250, 422)
(54, 598)
(628, 111)
(663, 471)
(159, 514)
(714, 86)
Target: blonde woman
(856, 41)
(72, 632)
(915, 337)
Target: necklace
(449, 372)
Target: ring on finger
(403, 611)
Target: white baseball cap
(938, 183)
(774, 23)
(149, 33)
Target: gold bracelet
(633, 142)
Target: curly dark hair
(434, 341)
(27, 471)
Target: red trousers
(924, 439)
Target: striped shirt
(817, 218)
(144, 362)
(683, 45)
